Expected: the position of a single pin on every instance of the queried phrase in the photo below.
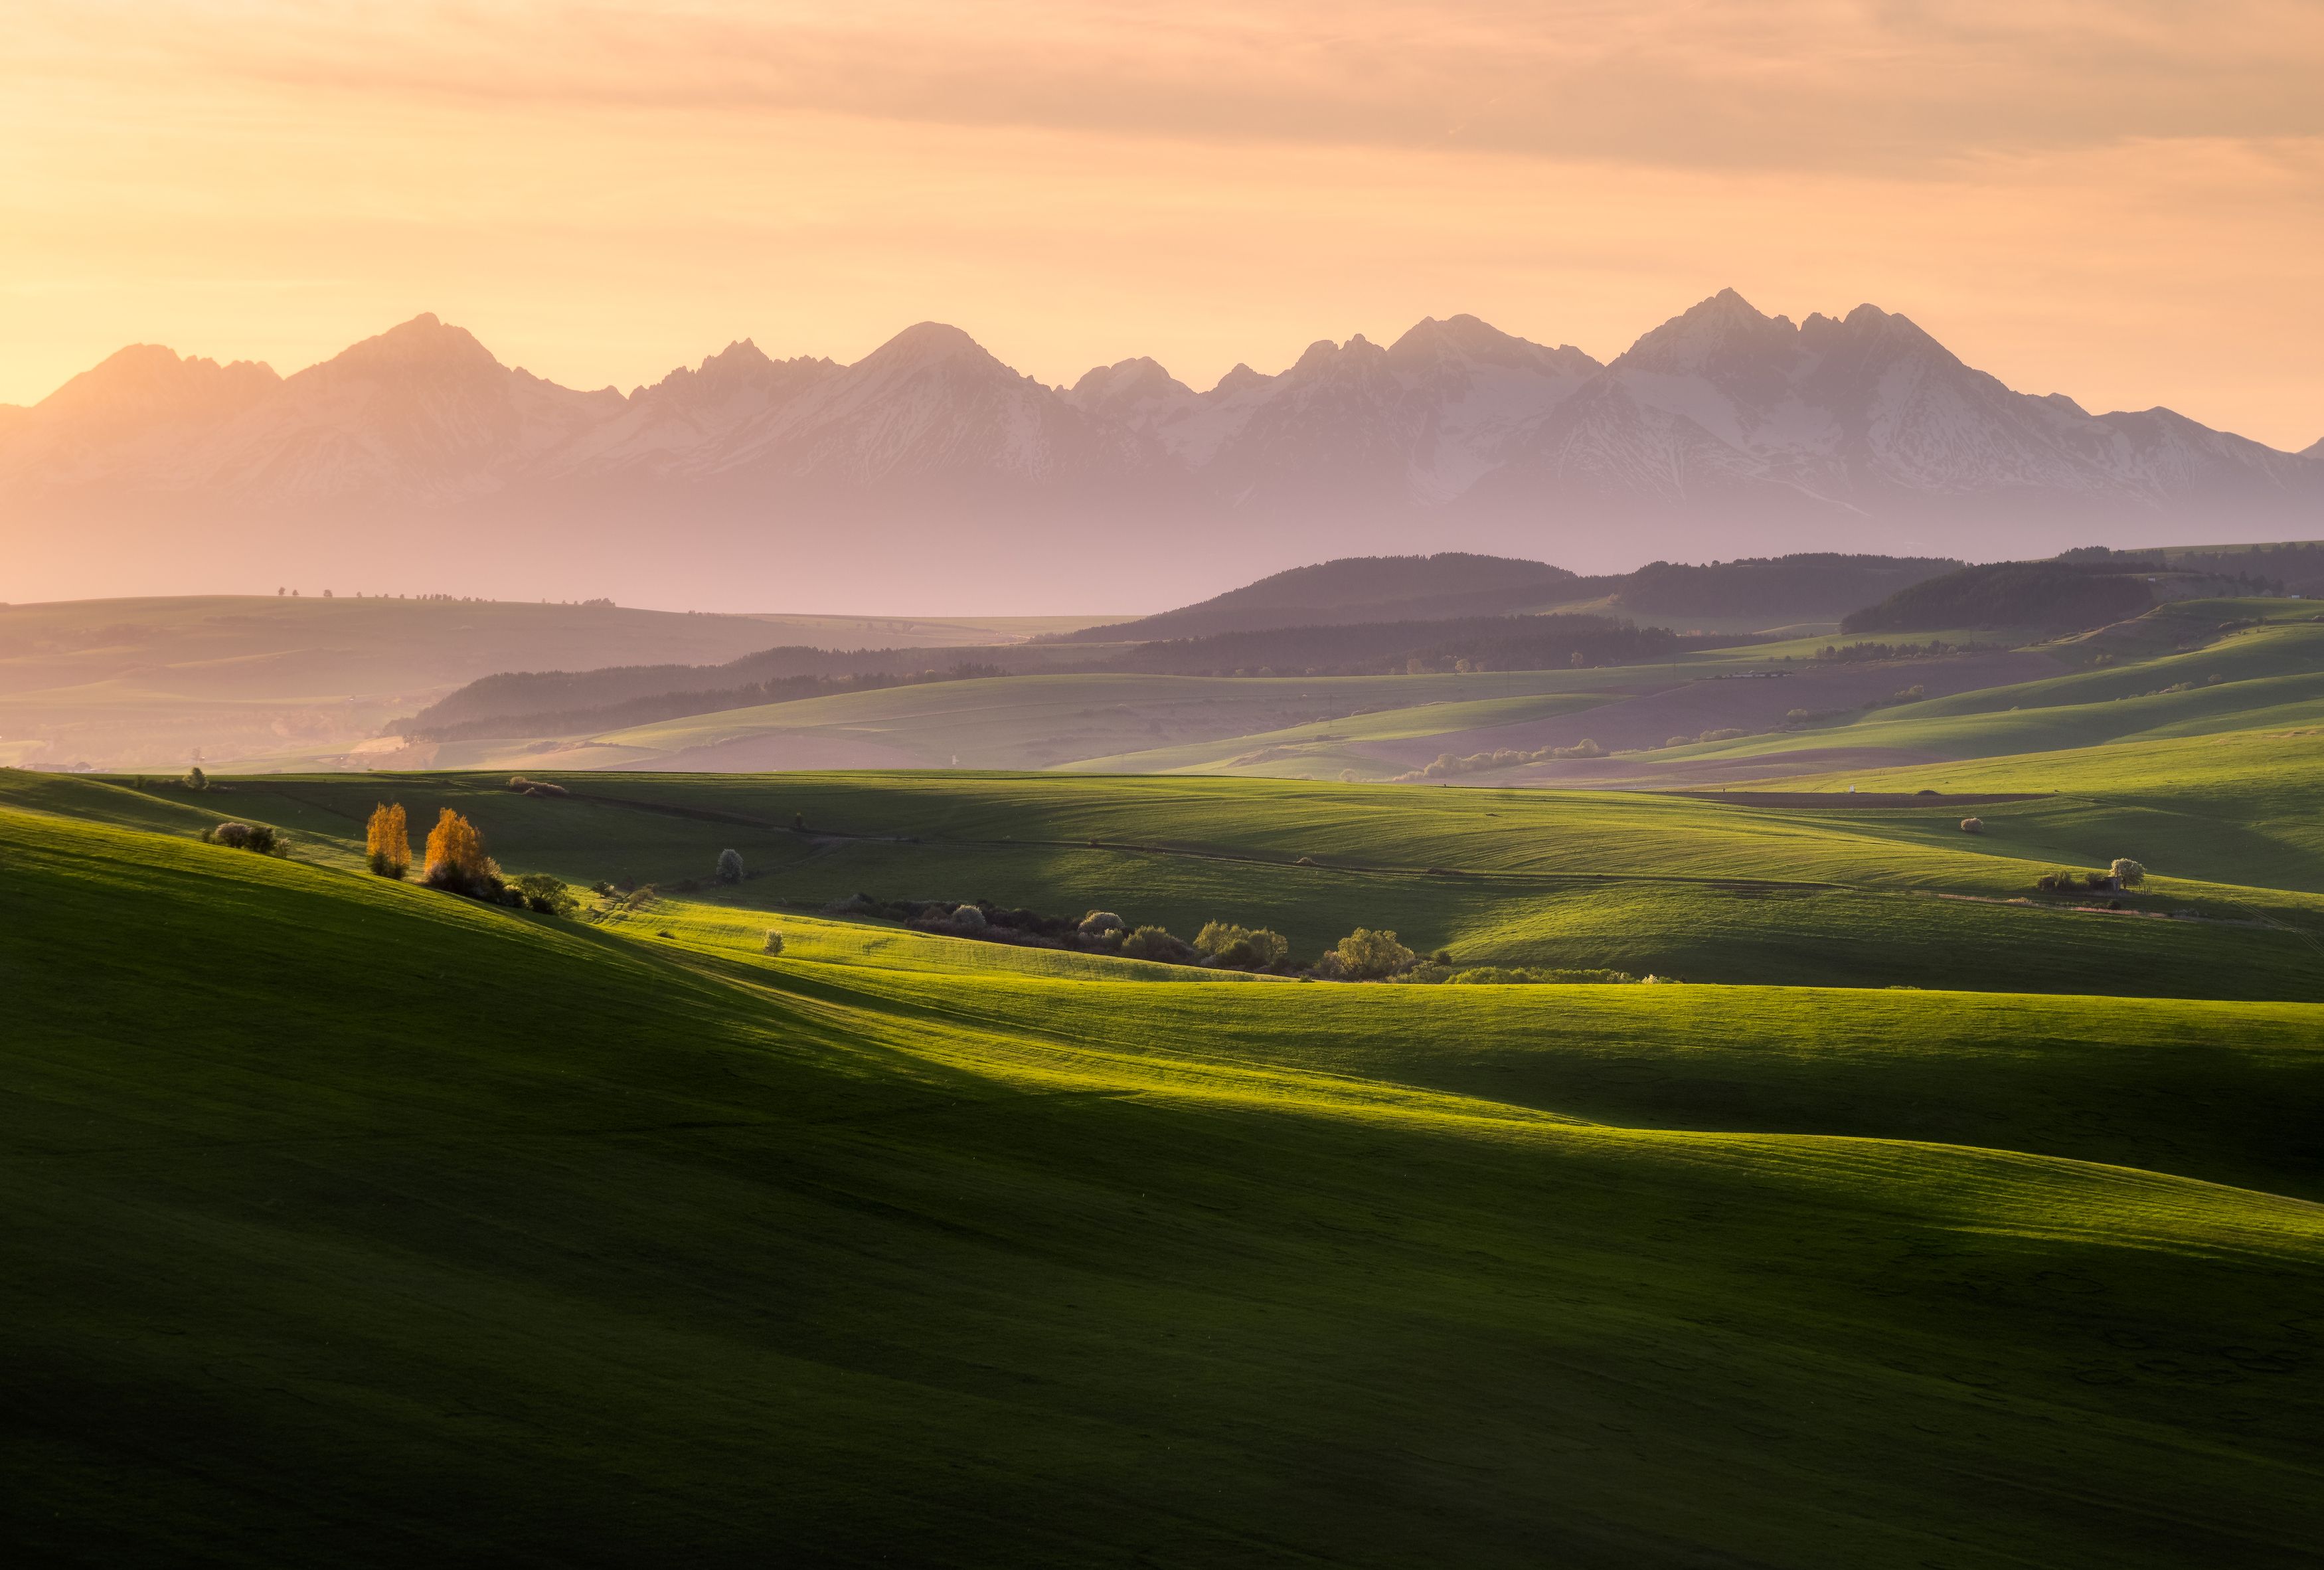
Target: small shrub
(1242, 947)
(546, 894)
(260, 838)
(1365, 955)
(1972, 826)
(1679, 742)
(2127, 872)
(196, 779)
(524, 786)
(730, 866)
(772, 943)
(969, 919)
(1103, 926)
(1156, 943)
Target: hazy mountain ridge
(1855, 433)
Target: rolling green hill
(351, 1223)
(1703, 890)
(1037, 721)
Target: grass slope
(353, 1224)
(2268, 675)
(1033, 722)
(1704, 891)
(1122, 723)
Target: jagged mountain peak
(1430, 342)
(1143, 376)
(1713, 335)
(423, 346)
(740, 353)
(1129, 391)
(148, 380)
(1323, 356)
(1242, 378)
(1842, 432)
(926, 343)
(741, 367)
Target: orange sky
(2121, 201)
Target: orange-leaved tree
(387, 841)
(456, 858)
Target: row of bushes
(1858, 653)
(1365, 955)
(1446, 765)
(1531, 975)
(261, 837)
(2125, 874)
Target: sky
(2120, 201)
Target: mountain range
(930, 474)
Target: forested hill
(1779, 590)
(1356, 588)
(1814, 588)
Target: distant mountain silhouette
(929, 474)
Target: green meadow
(1909, 1216)
(351, 1222)
(1699, 890)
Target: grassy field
(1910, 1218)
(350, 1223)
(1702, 889)
(1284, 727)
(1035, 722)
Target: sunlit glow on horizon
(2107, 200)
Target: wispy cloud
(1818, 84)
